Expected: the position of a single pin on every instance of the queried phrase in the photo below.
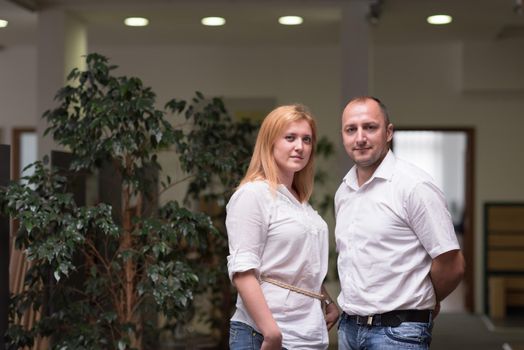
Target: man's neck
(365, 173)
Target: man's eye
(350, 130)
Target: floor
(454, 331)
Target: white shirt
(387, 233)
(281, 238)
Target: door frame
(469, 208)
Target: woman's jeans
(244, 337)
(408, 335)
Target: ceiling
(253, 22)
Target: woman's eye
(290, 138)
(307, 139)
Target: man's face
(365, 134)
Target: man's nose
(360, 136)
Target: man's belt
(392, 318)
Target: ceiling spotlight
(213, 21)
(3, 23)
(439, 19)
(290, 20)
(136, 21)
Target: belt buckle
(370, 320)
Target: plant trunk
(130, 316)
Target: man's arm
(447, 271)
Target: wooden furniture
(504, 257)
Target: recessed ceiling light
(213, 21)
(439, 19)
(3, 23)
(136, 21)
(290, 20)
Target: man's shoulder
(409, 174)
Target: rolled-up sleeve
(246, 224)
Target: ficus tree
(96, 274)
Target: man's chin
(363, 163)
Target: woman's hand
(272, 339)
(249, 290)
(332, 315)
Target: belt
(293, 288)
(391, 318)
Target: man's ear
(389, 132)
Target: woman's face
(292, 149)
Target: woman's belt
(293, 288)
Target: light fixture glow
(290, 20)
(213, 21)
(439, 19)
(136, 21)
(3, 23)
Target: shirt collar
(384, 171)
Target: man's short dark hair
(382, 106)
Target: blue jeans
(244, 337)
(408, 335)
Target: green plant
(143, 262)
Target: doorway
(447, 155)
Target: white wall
(17, 89)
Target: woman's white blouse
(279, 237)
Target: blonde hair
(263, 165)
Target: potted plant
(134, 262)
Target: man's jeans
(408, 335)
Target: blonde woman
(278, 244)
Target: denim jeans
(244, 337)
(408, 335)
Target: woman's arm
(249, 290)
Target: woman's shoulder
(255, 190)
(257, 185)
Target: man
(398, 252)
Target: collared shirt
(279, 237)
(388, 231)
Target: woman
(278, 244)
